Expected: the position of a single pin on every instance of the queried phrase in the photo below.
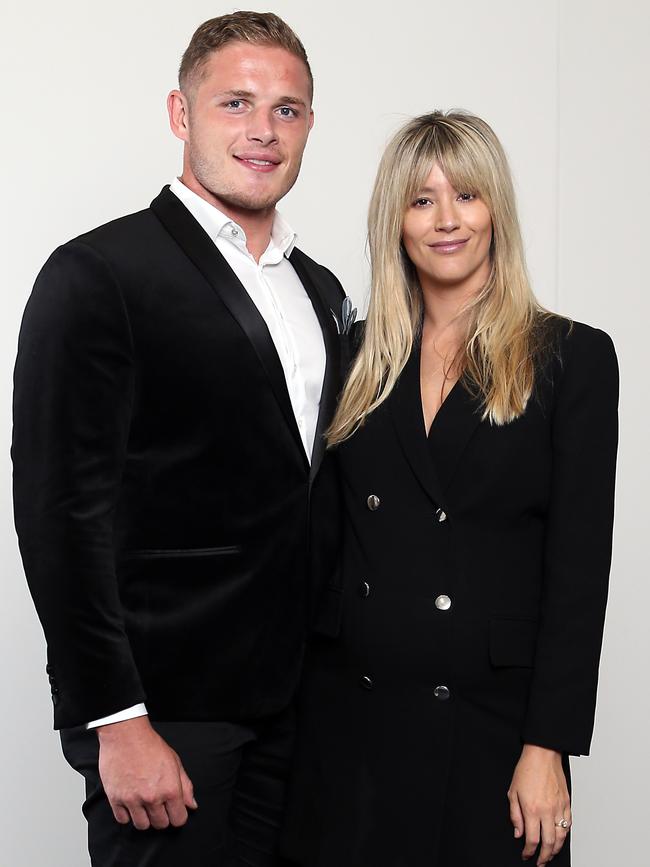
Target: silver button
(443, 603)
(364, 589)
(366, 682)
(442, 693)
(234, 231)
(373, 502)
(440, 515)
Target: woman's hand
(539, 799)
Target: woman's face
(447, 235)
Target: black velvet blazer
(162, 493)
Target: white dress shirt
(278, 294)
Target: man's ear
(311, 118)
(178, 110)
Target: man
(177, 369)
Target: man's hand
(142, 776)
(539, 798)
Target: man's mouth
(257, 162)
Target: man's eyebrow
(247, 94)
(292, 100)
(238, 94)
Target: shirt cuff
(120, 716)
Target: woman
(476, 437)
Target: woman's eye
(466, 197)
(422, 202)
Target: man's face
(245, 126)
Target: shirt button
(234, 231)
(366, 682)
(440, 515)
(373, 502)
(442, 693)
(443, 603)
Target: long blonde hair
(504, 320)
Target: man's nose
(261, 128)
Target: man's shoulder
(122, 233)
(317, 272)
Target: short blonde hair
(258, 28)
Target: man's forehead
(242, 60)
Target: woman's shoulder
(569, 340)
(574, 350)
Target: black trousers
(239, 776)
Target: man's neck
(257, 225)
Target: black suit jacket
(162, 492)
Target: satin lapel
(198, 246)
(405, 405)
(457, 419)
(331, 381)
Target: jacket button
(55, 698)
(443, 603)
(366, 682)
(373, 502)
(441, 516)
(441, 693)
(364, 589)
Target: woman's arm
(578, 545)
(576, 570)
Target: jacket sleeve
(578, 545)
(74, 383)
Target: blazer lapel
(405, 405)
(198, 246)
(453, 427)
(331, 381)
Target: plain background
(85, 139)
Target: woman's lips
(448, 246)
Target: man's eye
(234, 103)
(286, 111)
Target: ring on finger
(563, 823)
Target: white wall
(603, 234)
(85, 139)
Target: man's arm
(74, 381)
(74, 387)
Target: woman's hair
(504, 331)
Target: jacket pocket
(512, 642)
(166, 553)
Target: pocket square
(348, 316)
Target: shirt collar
(219, 225)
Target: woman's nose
(447, 218)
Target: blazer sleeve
(74, 384)
(578, 545)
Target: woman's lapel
(453, 427)
(405, 404)
(432, 460)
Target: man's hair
(257, 28)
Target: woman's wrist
(535, 751)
